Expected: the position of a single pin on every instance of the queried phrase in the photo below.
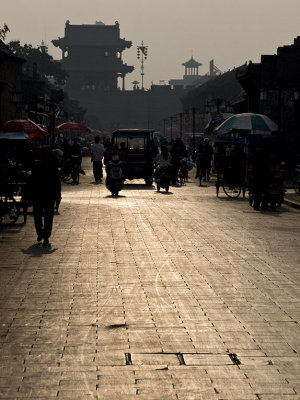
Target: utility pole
(171, 120)
(180, 115)
(194, 127)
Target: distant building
(220, 94)
(191, 77)
(273, 88)
(92, 55)
(10, 84)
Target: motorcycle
(183, 172)
(162, 177)
(114, 176)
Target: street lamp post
(142, 54)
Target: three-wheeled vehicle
(137, 147)
(230, 165)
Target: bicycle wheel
(10, 211)
(232, 190)
(66, 175)
(296, 184)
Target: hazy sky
(229, 31)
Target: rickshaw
(137, 147)
(13, 180)
(230, 165)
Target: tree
(47, 66)
(4, 31)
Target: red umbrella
(25, 126)
(72, 127)
(173, 130)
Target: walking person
(200, 163)
(44, 189)
(208, 154)
(75, 159)
(97, 151)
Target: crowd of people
(44, 188)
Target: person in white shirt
(163, 159)
(97, 151)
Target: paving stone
(184, 296)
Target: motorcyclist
(162, 160)
(113, 155)
(115, 164)
(163, 170)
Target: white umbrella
(249, 123)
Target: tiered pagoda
(92, 56)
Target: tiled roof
(4, 50)
(192, 63)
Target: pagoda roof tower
(92, 56)
(191, 67)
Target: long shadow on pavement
(137, 186)
(38, 250)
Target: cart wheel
(296, 184)
(232, 190)
(10, 211)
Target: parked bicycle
(66, 171)
(9, 207)
(230, 166)
(9, 210)
(232, 187)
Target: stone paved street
(152, 296)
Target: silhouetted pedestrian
(97, 151)
(208, 154)
(76, 159)
(44, 190)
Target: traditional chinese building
(10, 84)
(273, 88)
(191, 77)
(92, 56)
